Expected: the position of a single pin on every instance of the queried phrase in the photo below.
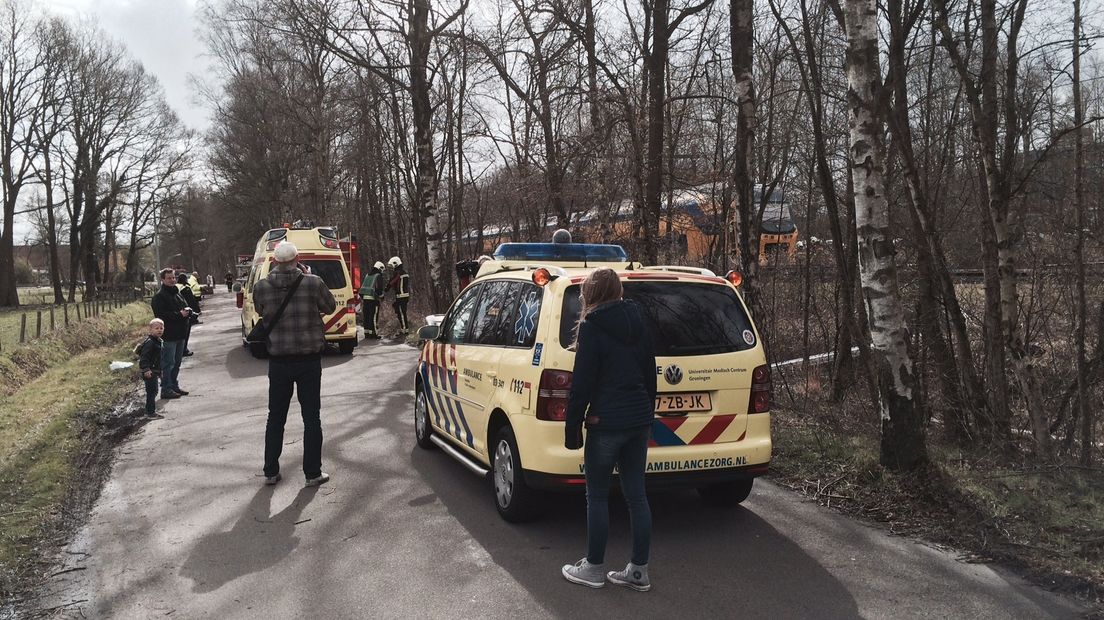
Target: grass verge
(1046, 521)
(55, 397)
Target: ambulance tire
(423, 429)
(726, 494)
(515, 501)
(346, 346)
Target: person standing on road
(400, 283)
(229, 279)
(149, 363)
(193, 303)
(371, 292)
(295, 344)
(169, 306)
(613, 392)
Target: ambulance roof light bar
(561, 252)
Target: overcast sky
(161, 34)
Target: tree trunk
(427, 206)
(656, 66)
(741, 31)
(1087, 435)
(902, 446)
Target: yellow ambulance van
(320, 251)
(493, 379)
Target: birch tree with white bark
(902, 441)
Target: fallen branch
(68, 570)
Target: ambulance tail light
(350, 306)
(552, 396)
(759, 400)
(328, 243)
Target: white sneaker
(322, 478)
(635, 577)
(271, 480)
(584, 573)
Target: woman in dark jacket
(613, 390)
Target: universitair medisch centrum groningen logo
(673, 374)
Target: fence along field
(31, 322)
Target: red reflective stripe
(337, 317)
(713, 429)
(673, 423)
(742, 435)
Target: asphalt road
(185, 529)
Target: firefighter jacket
(400, 283)
(372, 286)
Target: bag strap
(280, 310)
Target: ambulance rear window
(331, 271)
(685, 318)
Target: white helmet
(394, 262)
(378, 265)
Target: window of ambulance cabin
(456, 324)
(524, 321)
(507, 315)
(492, 314)
(331, 271)
(684, 318)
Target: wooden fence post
(77, 304)
(52, 326)
(23, 329)
(38, 323)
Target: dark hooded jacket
(615, 370)
(167, 304)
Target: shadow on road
(715, 562)
(240, 364)
(257, 541)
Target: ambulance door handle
(492, 373)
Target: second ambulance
(494, 376)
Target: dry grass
(1047, 521)
(53, 392)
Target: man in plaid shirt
(295, 344)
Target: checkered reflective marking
(448, 413)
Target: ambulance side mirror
(429, 332)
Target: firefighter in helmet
(400, 283)
(371, 292)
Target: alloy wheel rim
(420, 421)
(504, 474)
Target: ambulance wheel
(726, 494)
(515, 501)
(423, 430)
(346, 346)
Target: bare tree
(903, 445)
(21, 71)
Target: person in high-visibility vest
(371, 292)
(400, 283)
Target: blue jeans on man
(172, 355)
(284, 376)
(627, 450)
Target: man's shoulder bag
(260, 331)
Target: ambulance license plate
(686, 401)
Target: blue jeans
(283, 378)
(172, 354)
(628, 450)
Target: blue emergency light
(573, 252)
